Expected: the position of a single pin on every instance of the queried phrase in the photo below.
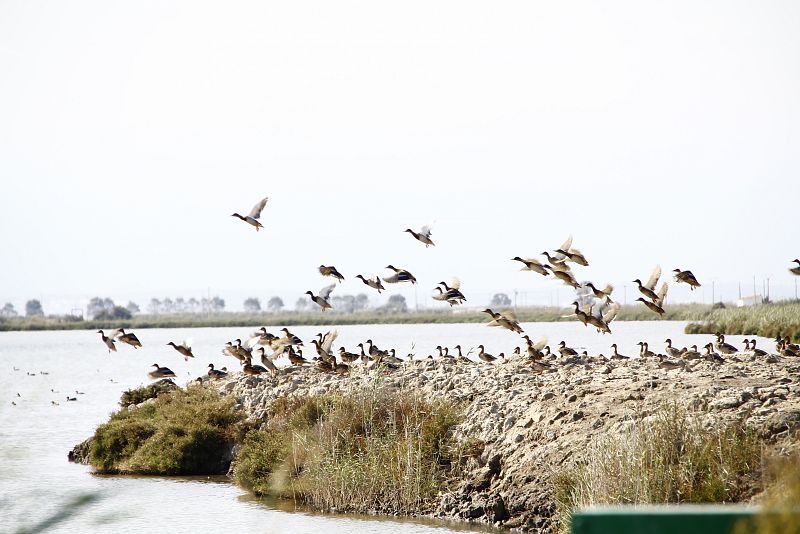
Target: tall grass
(781, 501)
(366, 450)
(766, 320)
(669, 458)
(183, 432)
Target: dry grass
(672, 457)
(367, 450)
(766, 320)
(780, 502)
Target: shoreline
(531, 424)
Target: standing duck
(756, 351)
(160, 372)
(616, 355)
(109, 341)
(672, 351)
(374, 284)
(644, 351)
(185, 349)
(485, 356)
(724, 348)
(331, 271)
(687, 278)
(215, 374)
(266, 361)
(423, 236)
(255, 214)
(322, 300)
(565, 350)
(296, 358)
(692, 353)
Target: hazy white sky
(653, 132)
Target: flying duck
(687, 278)
(649, 289)
(129, 338)
(795, 270)
(400, 275)
(255, 214)
(184, 349)
(531, 265)
(109, 341)
(322, 300)
(330, 271)
(423, 236)
(374, 284)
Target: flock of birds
(595, 308)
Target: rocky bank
(529, 423)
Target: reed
(765, 320)
(671, 457)
(362, 451)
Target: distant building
(749, 301)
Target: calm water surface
(36, 481)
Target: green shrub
(141, 394)
(182, 432)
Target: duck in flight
(254, 215)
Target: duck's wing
(662, 293)
(509, 315)
(252, 341)
(456, 283)
(539, 345)
(255, 213)
(425, 230)
(115, 333)
(608, 290)
(187, 343)
(653, 280)
(610, 312)
(326, 291)
(328, 339)
(566, 246)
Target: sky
(653, 132)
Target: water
(36, 481)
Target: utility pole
(768, 289)
(515, 300)
(713, 293)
